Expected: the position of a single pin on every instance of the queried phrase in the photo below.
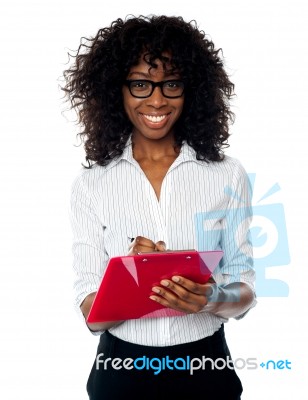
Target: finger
(194, 287)
(141, 245)
(139, 249)
(133, 251)
(164, 302)
(180, 292)
(160, 246)
(144, 242)
(179, 297)
(170, 300)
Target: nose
(157, 99)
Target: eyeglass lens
(144, 88)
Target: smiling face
(152, 117)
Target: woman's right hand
(144, 245)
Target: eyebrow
(147, 75)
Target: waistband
(206, 345)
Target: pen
(131, 239)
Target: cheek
(180, 106)
(130, 104)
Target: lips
(155, 121)
(155, 118)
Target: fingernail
(155, 290)
(176, 279)
(165, 283)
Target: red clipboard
(127, 283)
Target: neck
(154, 149)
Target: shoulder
(229, 161)
(229, 165)
(231, 173)
(87, 178)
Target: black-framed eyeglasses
(142, 88)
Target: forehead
(151, 65)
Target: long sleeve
(89, 256)
(237, 264)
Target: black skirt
(197, 370)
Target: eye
(139, 85)
(174, 85)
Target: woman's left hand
(182, 294)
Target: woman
(153, 100)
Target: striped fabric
(202, 206)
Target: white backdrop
(45, 352)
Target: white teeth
(155, 118)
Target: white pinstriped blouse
(202, 206)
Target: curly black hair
(93, 85)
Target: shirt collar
(187, 154)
